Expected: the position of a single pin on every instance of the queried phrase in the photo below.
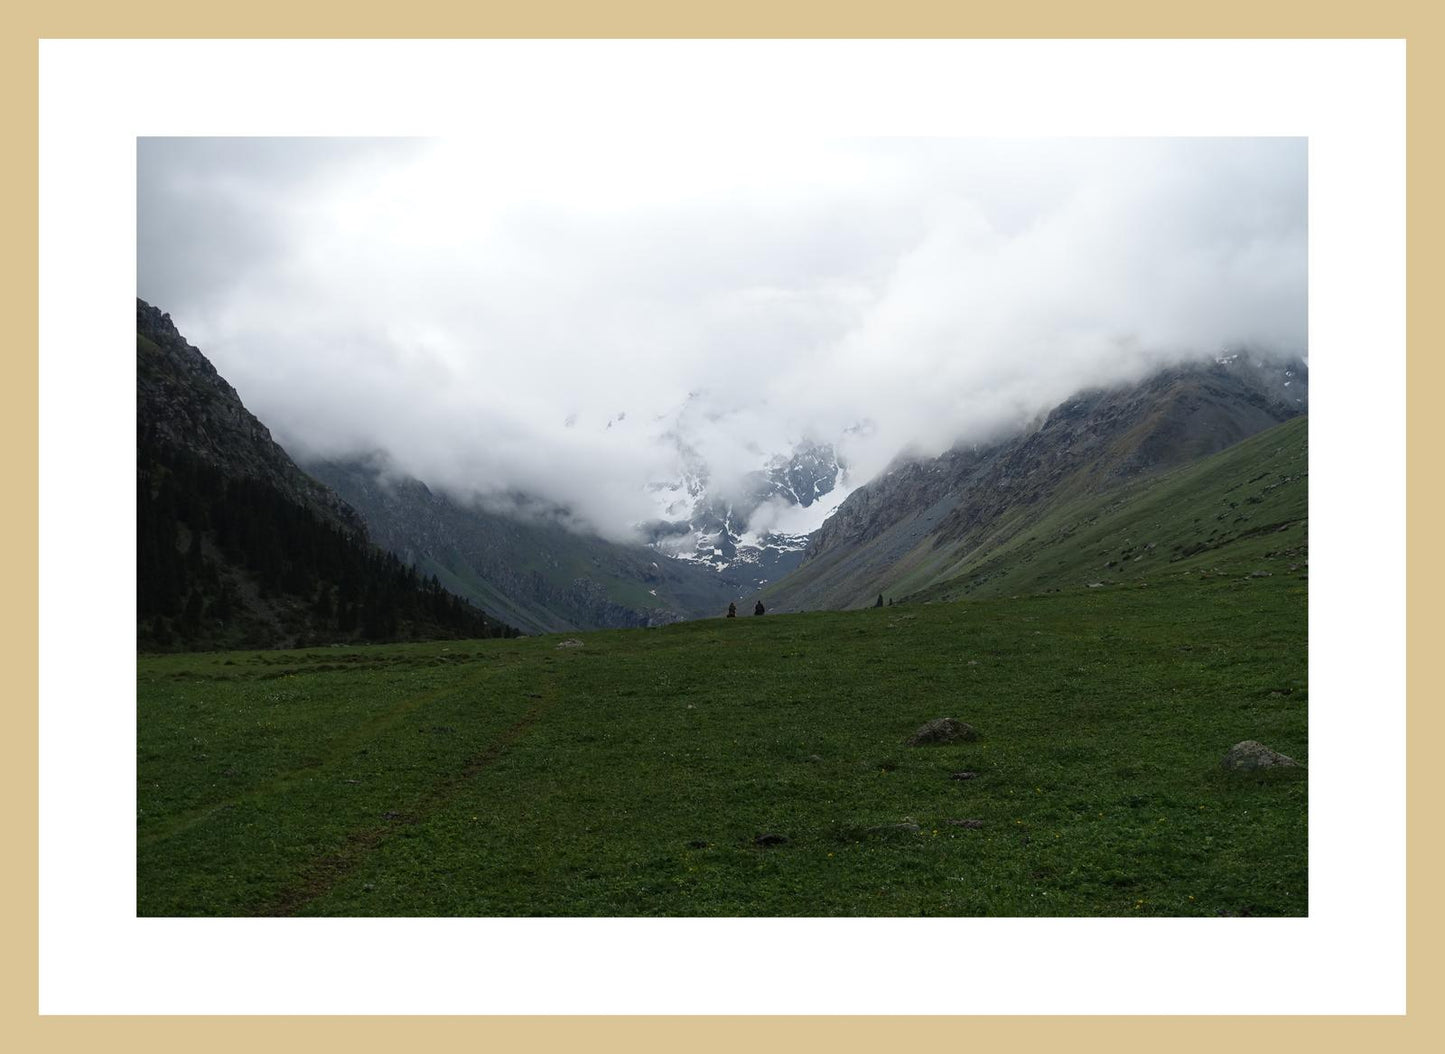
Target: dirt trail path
(327, 871)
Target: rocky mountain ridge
(183, 403)
(723, 532)
(902, 530)
(236, 546)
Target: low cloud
(504, 319)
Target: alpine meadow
(871, 528)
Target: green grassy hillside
(752, 766)
(1243, 511)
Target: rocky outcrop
(942, 730)
(1252, 756)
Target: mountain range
(699, 554)
(926, 521)
(535, 573)
(239, 545)
(708, 528)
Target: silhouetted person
(732, 611)
(880, 601)
(759, 609)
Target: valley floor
(749, 766)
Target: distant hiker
(759, 609)
(880, 601)
(890, 601)
(732, 611)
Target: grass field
(753, 766)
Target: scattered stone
(570, 642)
(1259, 574)
(771, 839)
(1095, 585)
(814, 758)
(392, 816)
(943, 730)
(1251, 755)
(963, 776)
(972, 825)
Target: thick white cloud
(484, 311)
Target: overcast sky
(487, 312)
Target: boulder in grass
(943, 730)
(1251, 756)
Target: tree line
(225, 560)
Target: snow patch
(777, 517)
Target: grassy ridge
(1245, 506)
(634, 774)
(1244, 510)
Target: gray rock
(1250, 756)
(943, 730)
(570, 642)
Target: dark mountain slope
(922, 521)
(184, 405)
(535, 574)
(236, 547)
